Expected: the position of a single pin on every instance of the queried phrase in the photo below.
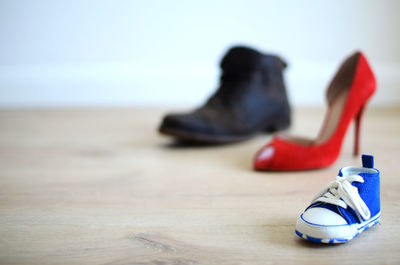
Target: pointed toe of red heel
(263, 158)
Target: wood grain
(100, 186)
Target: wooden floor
(102, 187)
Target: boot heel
(357, 129)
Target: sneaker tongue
(239, 59)
(348, 171)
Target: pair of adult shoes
(252, 99)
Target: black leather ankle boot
(251, 99)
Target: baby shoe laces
(340, 192)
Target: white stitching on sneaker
(340, 192)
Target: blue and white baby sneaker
(346, 207)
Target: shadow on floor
(280, 230)
(181, 144)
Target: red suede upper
(293, 156)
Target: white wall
(56, 53)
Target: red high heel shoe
(347, 96)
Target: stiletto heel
(347, 94)
(357, 129)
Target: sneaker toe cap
(322, 216)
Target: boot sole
(282, 124)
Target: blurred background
(163, 53)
